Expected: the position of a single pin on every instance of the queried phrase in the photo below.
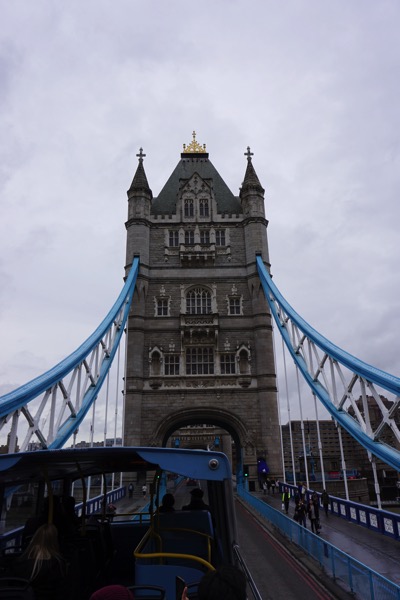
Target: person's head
(112, 592)
(43, 546)
(168, 500)
(68, 505)
(45, 540)
(197, 493)
(226, 582)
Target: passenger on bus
(226, 582)
(168, 502)
(112, 592)
(69, 520)
(51, 512)
(196, 501)
(43, 565)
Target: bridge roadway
(380, 553)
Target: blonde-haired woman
(43, 565)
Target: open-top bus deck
(144, 551)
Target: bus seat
(198, 520)
(14, 588)
(165, 575)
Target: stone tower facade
(199, 335)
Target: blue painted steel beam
(389, 455)
(23, 395)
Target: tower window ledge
(244, 382)
(155, 384)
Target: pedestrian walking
(273, 485)
(264, 487)
(315, 501)
(286, 499)
(325, 501)
(144, 490)
(130, 490)
(300, 514)
(313, 516)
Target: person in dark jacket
(196, 501)
(168, 502)
(325, 501)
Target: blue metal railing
(362, 581)
(375, 519)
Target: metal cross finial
(249, 154)
(140, 155)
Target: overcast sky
(312, 87)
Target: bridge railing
(375, 519)
(359, 579)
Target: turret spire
(139, 182)
(251, 181)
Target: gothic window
(174, 238)
(198, 302)
(244, 363)
(203, 207)
(234, 306)
(171, 364)
(220, 237)
(188, 207)
(200, 361)
(204, 237)
(189, 237)
(228, 363)
(155, 363)
(162, 307)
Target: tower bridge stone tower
(199, 335)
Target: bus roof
(76, 463)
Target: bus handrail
(202, 561)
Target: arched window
(198, 302)
(155, 363)
(188, 207)
(189, 237)
(203, 207)
(244, 365)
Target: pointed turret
(251, 181)
(139, 182)
(252, 192)
(252, 199)
(139, 194)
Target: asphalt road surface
(277, 574)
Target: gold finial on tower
(194, 146)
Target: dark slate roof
(251, 180)
(139, 181)
(166, 201)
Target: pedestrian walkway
(131, 505)
(379, 552)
